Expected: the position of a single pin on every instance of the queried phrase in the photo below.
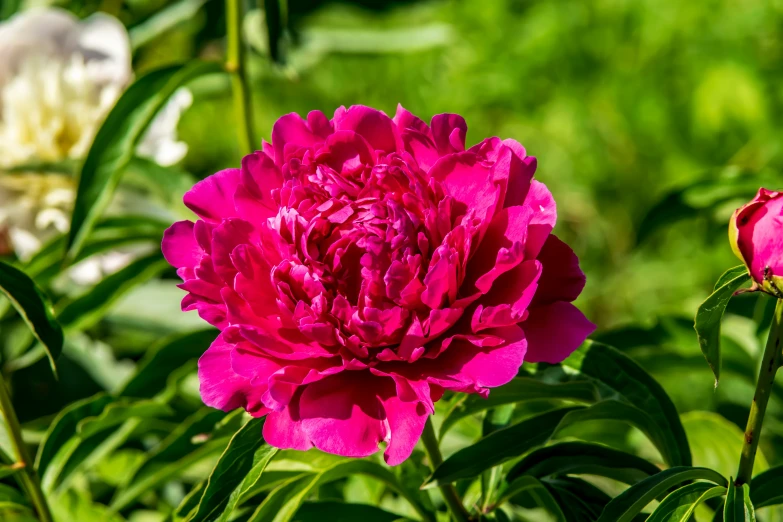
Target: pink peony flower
(358, 267)
(755, 235)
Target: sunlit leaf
(518, 390)
(630, 503)
(115, 143)
(738, 507)
(500, 446)
(580, 458)
(710, 313)
(680, 505)
(242, 462)
(635, 386)
(35, 308)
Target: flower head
(358, 267)
(755, 235)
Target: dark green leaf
(529, 491)
(246, 453)
(630, 502)
(164, 358)
(182, 448)
(518, 390)
(500, 446)
(115, 143)
(738, 507)
(616, 410)
(332, 510)
(710, 313)
(284, 501)
(64, 427)
(118, 412)
(680, 504)
(765, 488)
(575, 458)
(579, 500)
(89, 308)
(35, 309)
(635, 386)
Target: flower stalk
(27, 475)
(771, 361)
(449, 492)
(235, 66)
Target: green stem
(448, 491)
(235, 66)
(27, 476)
(769, 365)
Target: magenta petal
(179, 245)
(449, 131)
(212, 198)
(759, 235)
(554, 331)
(469, 368)
(406, 424)
(221, 387)
(561, 279)
(372, 124)
(406, 120)
(292, 131)
(509, 298)
(283, 429)
(343, 415)
(543, 220)
(469, 182)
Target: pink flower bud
(756, 236)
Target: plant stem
(235, 66)
(449, 492)
(27, 475)
(769, 365)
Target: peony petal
(221, 387)
(371, 124)
(554, 331)
(469, 182)
(179, 245)
(406, 423)
(283, 429)
(449, 131)
(212, 198)
(506, 303)
(291, 131)
(561, 279)
(543, 220)
(342, 415)
(407, 121)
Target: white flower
(59, 78)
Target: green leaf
(765, 489)
(710, 313)
(738, 507)
(518, 390)
(108, 234)
(579, 500)
(630, 502)
(633, 385)
(87, 309)
(118, 412)
(64, 427)
(498, 447)
(577, 458)
(716, 442)
(531, 489)
(344, 512)
(6, 470)
(612, 409)
(35, 308)
(181, 449)
(96, 437)
(115, 143)
(283, 502)
(163, 21)
(246, 453)
(680, 505)
(163, 358)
